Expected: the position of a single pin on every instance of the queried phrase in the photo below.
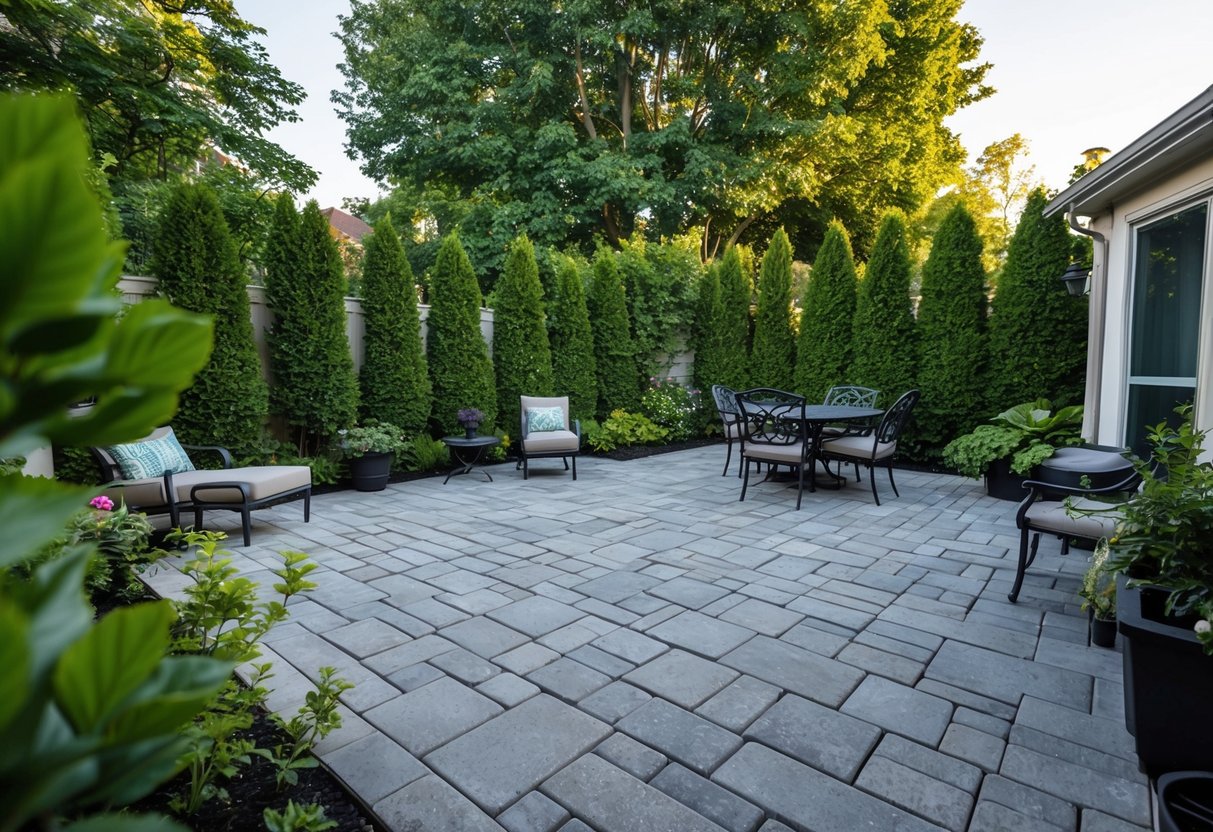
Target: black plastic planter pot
(1167, 680)
(370, 472)
(1103, 632)
(1185, 802)
(1001, 483)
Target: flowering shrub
(123, 542)
(623, 428)
(676, 408)
(102, 503)
(470, 417)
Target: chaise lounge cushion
(263, 481)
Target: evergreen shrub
(522, 358)
(734, 324)
(774, 352)
(572, 342)
(823, 352)
(883, 335)
(615, 356)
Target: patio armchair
(877, 447)
(1084, 517)
(546, 433)
(169, 483)
(773, 430)
(730, 420)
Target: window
(1165, 330)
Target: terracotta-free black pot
(1001, 483)
(1103, 632)
(370, 472)
(1167, 679)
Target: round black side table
(467, 453)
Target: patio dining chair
(849, 395)
(879, 447)
(730, 421)
(774, 431)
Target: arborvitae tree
(710, 356)
(572, 341)
(614, 353)
(1038, 332)
(823, 351)
(522, 359)
(883, 336)
(951, 332)
(733, 325)
(460, 368)
(774, 352)
(198, 269)
(395, 380)
(315, 390)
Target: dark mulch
(641, 451)
(255, 788)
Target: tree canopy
(567, 121)
(156, 81)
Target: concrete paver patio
(639, 651)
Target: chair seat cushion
(858, 447)
(789, 454)
(1051, 516)
(551, 441)
(263, 481)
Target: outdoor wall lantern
(1076, 278)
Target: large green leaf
(33, 512)
(54, 598)
(126, 823)
(131, 772)
(14, 662)
(95, 674)
(178, 689)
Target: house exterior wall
(1112, 283)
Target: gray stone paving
(639, 651)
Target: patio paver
(638, 650)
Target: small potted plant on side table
(470, 418)
(1098, 594)
(369, 449)
(1163, 549)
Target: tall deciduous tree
(395, 381)
(736, 292)
(522, 357)
(572, 341)
(197, 269)
(951, 333)
(572, 120)
(315, 390)
(614, 354)
(823, 349)
(1038, 332)
(460, 368)
(883, 336)
(774, 354)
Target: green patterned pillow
(544, 419)
(151, 457)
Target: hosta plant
(1027, 433)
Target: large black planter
(1167, 679)
(1001, 483)
(370, 472)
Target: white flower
(1203, 626)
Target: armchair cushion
(151, 457)
(544, 419)
(551, 441)
(858, 447)
(784, 454)
(1051, 516)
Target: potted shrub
(370, 449)
(1098, 593)
(1013, 443)
(1164, 549)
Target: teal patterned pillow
(544, 419)
(151, 457)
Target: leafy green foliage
(156, 81)
(884, 354)
(297, 818)
(371, 438)
(317, 718)
(460, 368)
(395, 380)
(773, 357)
(569, 122)
(123, 545)
(76, 465)
(424, 453)
(522, 358)
(733, 326)
(89, 712)
(1098, 590)
(621, 429)
(706, 340)
(315, 390)
(823, 348)
(1027, 433)
(951, 332)
(572, 342)
(659, 283)
(1038, 332)
(614, 353)
(673, 407)
(198, 269)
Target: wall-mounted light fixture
(1076, 278)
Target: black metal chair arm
(224, 454)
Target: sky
(1069, 74)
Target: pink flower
(102, 503)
